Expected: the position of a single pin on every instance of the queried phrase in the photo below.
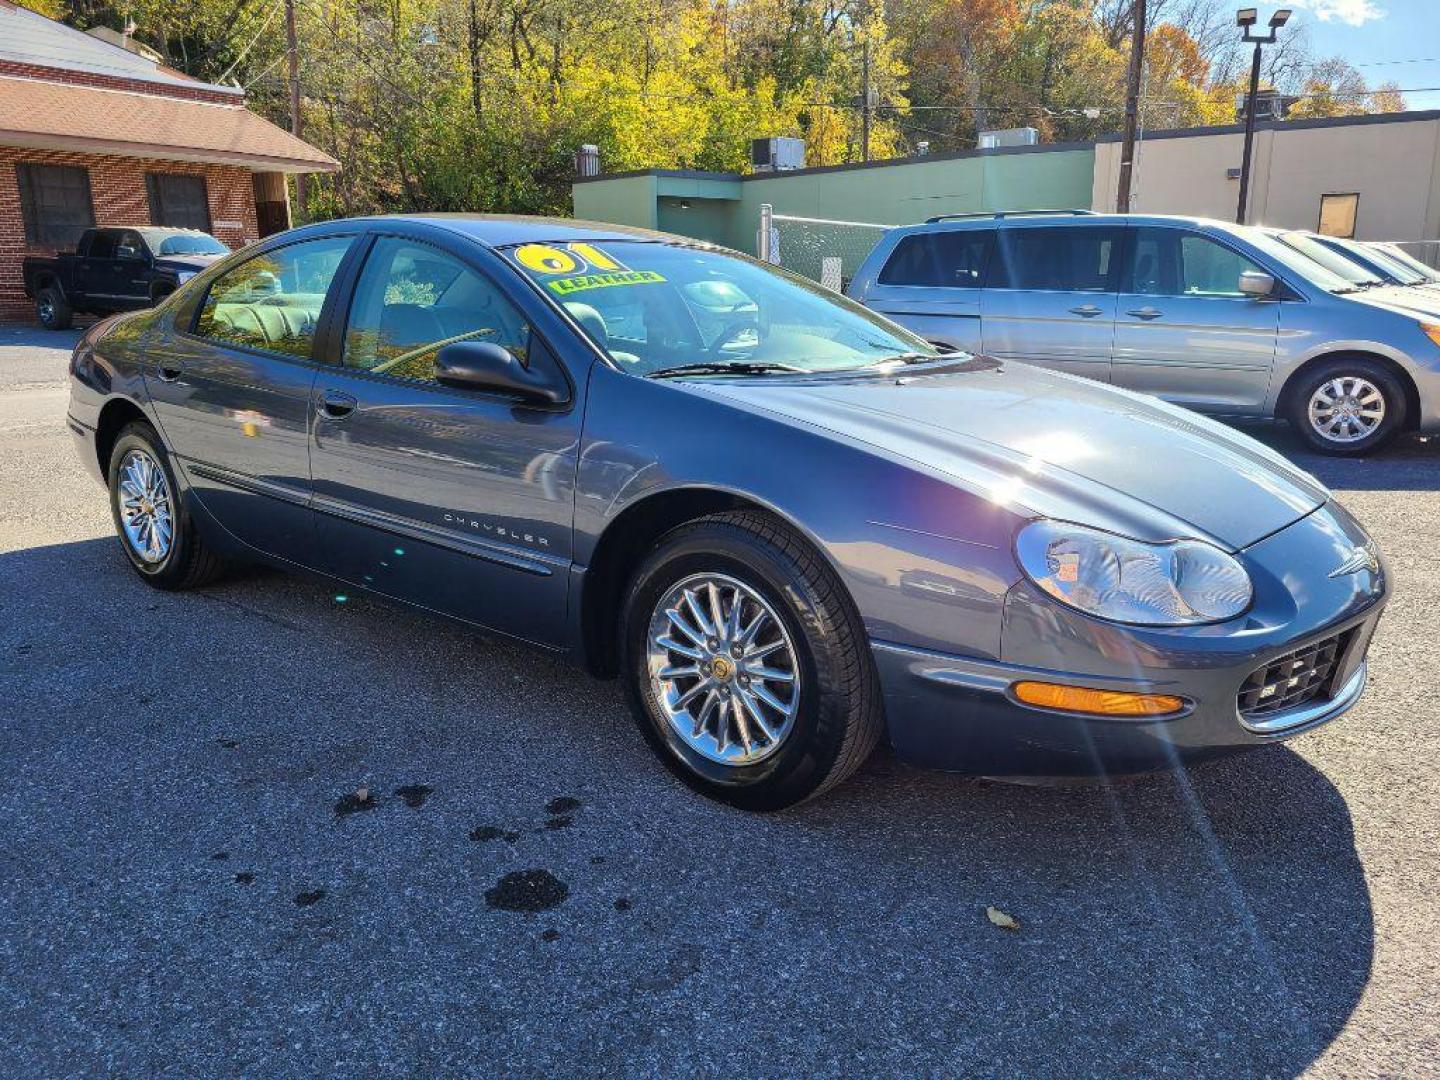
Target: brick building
(92, 133)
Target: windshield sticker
(548, 259)
(581, 282)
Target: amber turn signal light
(1081, 699)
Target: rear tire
(765, 576)
(157, 534)
(53, 310)
(1347, 407)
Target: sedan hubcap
(145, 516)
(723, 670)
(1346, 409)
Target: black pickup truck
(116, 269)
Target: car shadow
(1208, 922)
(1410, 463)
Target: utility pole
(297, 126)
(1246, 18)
(865, 96)
(1132, 105)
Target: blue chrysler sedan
(789, 525)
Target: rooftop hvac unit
(1026, 136)
(777, 154)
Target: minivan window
(1064, 258)
(951, 257)
(1172, 262)
(273, 301)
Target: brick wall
(119, 196)
(199, 92)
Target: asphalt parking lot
(184, 892)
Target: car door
(231, 385)
(1184, 330)
(130, 273)
(455, 499)
(1050, 296)
(94, 281)
(932, 282)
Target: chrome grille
(1290, 680)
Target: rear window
(1069, 259)
(953, 257)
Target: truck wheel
(1348, 407)
(157, 534)
(52, 309)
(746, 665)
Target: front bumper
(956, 712)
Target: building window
(1337, 215)
(179, 201)
(55, 204)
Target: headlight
(1112, 577)
(1432, 331)
(185, 275)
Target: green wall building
(724, 208)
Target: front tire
(746, 665)
(1348, 407)
(158, 536)
(53, 310)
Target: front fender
(926, 563)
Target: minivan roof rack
(998, 214)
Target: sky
(1373, 35)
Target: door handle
(335, 405)
(1088, 311)
(168, 373)
(1146, 313)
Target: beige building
(1378, 175)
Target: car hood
(1407, 299)
(1053, 445)
(186, 262)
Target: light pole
(1246, 19)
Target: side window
(1067, 259)
(128, 245)
(1208, 269)
(273, 301)
(948, 257)
(102, 245)
(413, 300)
(1171, 262)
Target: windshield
(186, 243)
(1404, 258)
(1332, 260)
(1393, 267)
(657, 307)
(1287, 256)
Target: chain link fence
(826, 251)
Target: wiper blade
(738, 367)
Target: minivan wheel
(52, 309)
(158, 536)
(746, 665)
(1348, 407)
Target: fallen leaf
(1001, 919)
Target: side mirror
(1254, 283)
(483, 365)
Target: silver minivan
(1221, 318)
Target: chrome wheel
(1346, 409)
(723, 670)
(45, 308)
(145, 509)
